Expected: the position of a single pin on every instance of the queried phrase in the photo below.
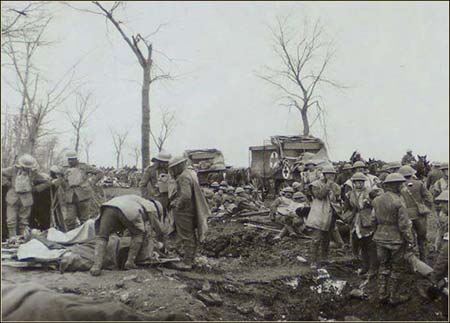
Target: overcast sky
(393, 56)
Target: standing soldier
(154, 181)
(393, 234)
(418, 202)
(362, 229)
(309, 176)
(442, 184)
(434, 175)
(345, 174)
(393, 167)
(24, 180)
(322, 216)
(190, 211)
(441, 203)
(78, 190)
(384, 171)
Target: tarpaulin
(83, 233)
(35, 249)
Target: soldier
(442, 183)
(310, 175)
(384, 171)
(23, 179)
(154, 181)
(133, 213)
(441, 203)
(393, 234)
(190, 211)
(362, 229)
(418, 202)
(283, 201)
(294, 222)
(229, 192)
(253, 195)
(393, 167)
(408, 158)
(243, 202)
(322, 216)
(58, 198)
(78, 189)
(345, 175)
(434, 175)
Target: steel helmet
(444, 166)
(239, 190)
(223, 188)
(358, 177)
(359, 164)
(71, 154)
(328, 170)
(214, 185)
(296, 185)
(223, 183)
(407, 170)
(394, 178)
(288, 189)
(176, 161)
(27, 161)
(393, 165)
(162, 157)
(347, 167)
(230, 189)
(443, 197)
(384, 168)
(299, 195)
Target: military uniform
(78, 193)
(393, 232)
(433, 176)
(19, 198)
(243, 204)
(414, 192)
(440, 186)
(362, 229)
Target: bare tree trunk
(304, 114)
(145, 127)
(77, 141)
(118, 160)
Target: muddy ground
(247, 276)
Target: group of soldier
(387, 212)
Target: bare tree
(136, 43)
(79, 117)
(168, 123)
(38, 98)
(119, 139)
(304, 66)
(87, 143)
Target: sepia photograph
(224, 161)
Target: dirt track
(255, 278)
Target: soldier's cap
(296, 185)
(215, 184)
(444, 166)
(176, 161)
(71, 154)
(358, 177)
(394, 178)
(393, 165)
(328, 170)
(407, 170)
(347, 167)
(27, 161)
(359, 164)
(239, 190)
(288, 189)
(299, 195)
(443, 197)
(162, 157)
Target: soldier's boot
(395, 298)
(422, 246)
(135, 246)
(99, 256)
(382, 288)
